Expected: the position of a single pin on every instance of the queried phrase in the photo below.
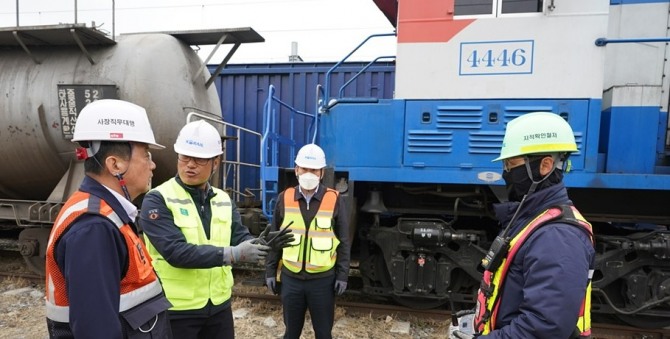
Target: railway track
(370, 308)
(33, 278)
(600, 331)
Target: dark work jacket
(93, 256)
(546, 282)
(158, 224)
(341, 228)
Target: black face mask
(518, 183)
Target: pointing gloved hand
(248, 251)
(340, 287)
(271, 283)
(276, 239)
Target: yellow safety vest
(191, 288)
(488, 300)
(314, 248)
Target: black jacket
(308, 211)
(158, 224)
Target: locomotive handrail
(605, 41)
(326, 92)
(237, 163)
(341, 91)
(270, 141)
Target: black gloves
(271, 283)
(276, 239)
(340, 287)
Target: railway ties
(600, 330)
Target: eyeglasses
(187, 159)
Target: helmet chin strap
(91, 152)
(122, 182)
(529, 172)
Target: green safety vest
(191, 288)
(314, 248)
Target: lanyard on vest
(487, 308)
(494, 257)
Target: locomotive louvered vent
(470, 117)
(485, 142)
(429, 141)
(459, 117)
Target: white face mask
(308, 181)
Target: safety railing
(234, 165)
(323, 94)
(271, 142)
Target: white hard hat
(311, 156)
(537, 133)
(199, 139)
(114, 120)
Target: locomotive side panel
(423, 212)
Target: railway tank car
(416, 170)
(49, 73)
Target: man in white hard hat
(537, 274)
(99, 278)
(315, 267)
(194, 234)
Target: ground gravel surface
(22, 314)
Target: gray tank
(49, 73)
(156, 71)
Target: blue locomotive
(416, 170)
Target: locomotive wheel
(33, 248)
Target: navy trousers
(315, 295)
(217, 326)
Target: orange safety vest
(488, 298)
(314, 247)
(138, 285)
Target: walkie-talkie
(496, 253)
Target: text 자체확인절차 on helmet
(199, 139)
(311, 156)
(537, 133)
(114, 120)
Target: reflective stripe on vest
(314, 248)
(488, 298)
(137, 286)
(191, 288)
